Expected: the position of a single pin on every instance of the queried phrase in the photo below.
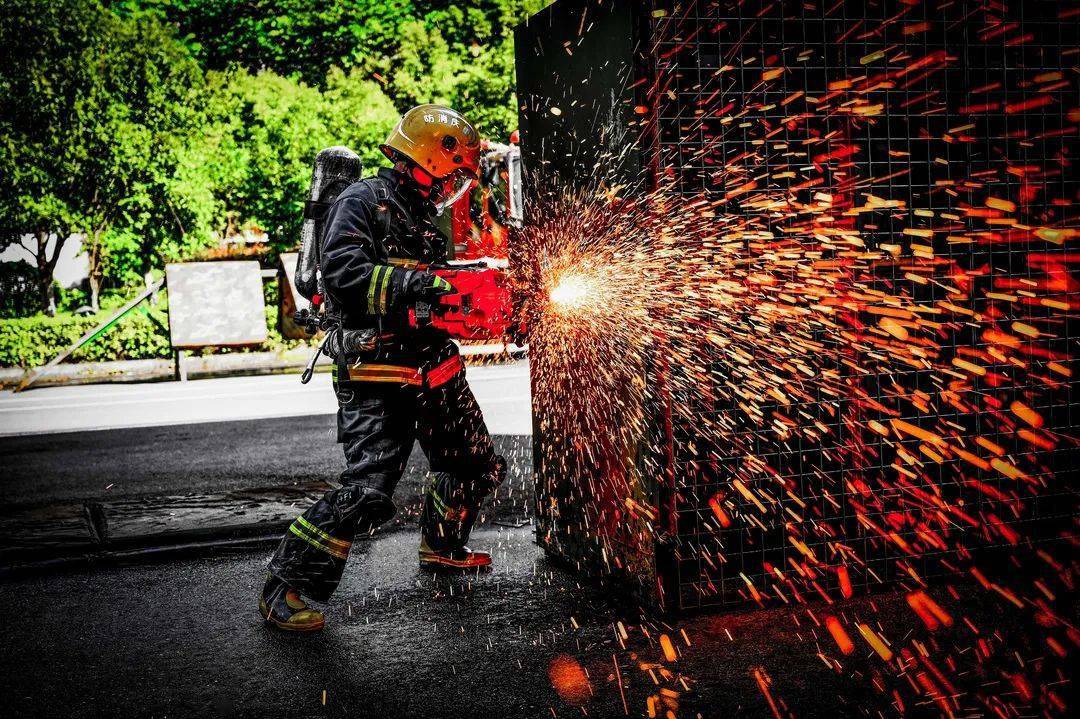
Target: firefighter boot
(282, 607)
(450, 508)
(452, 559)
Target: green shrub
(18, 289)
(69, 299)
(33, 341)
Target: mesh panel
(939, 130)
(958, 88)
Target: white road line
(188, 390)
(144, 400)
(277, 393)
(194, 387)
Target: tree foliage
(93, 108)
(154, 128)
(421, 50)
(297, 38)
(17, 283)
(263, 133)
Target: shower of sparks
(574, 292)
(822, 382)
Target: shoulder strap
(316, 210)
(383, 198)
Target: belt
(437, 376)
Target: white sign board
(215, 304)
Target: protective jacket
(377, 233)
(410, 388)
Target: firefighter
(410, 387)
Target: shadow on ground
(107, 465)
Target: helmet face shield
(449, 190)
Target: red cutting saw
(478, 309)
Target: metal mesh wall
(973, 114)
(940, 131)
(578, 56)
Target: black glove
(430, 287)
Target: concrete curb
(78, 532)
(158, 370)
(137, 555)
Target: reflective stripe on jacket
(378, 237)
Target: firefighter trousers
(378, 421)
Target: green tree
(33, 190)
(111, 131)
(262, 137)
(464, 57)
(17, 283)
(94, 107)
(421, 50)
(291, 37)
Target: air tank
(335, 169)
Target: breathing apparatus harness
(479, 307)
(339, 342)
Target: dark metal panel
(582, 84)
(578, 83)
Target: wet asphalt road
(207, 457)
(184, 639)
(212, 435)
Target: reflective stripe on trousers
(437, 376)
